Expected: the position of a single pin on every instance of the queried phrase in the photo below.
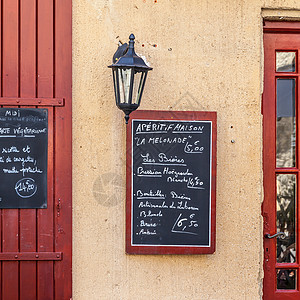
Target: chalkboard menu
(171, 182)
(23, 157)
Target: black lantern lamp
(129, 74)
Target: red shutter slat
(63, 176)
(45, 70)
(27, 89)
(10, 226)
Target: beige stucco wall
(208, 57)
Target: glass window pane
(285, 61)
(285, 221)
(286, 279)
(286, 123)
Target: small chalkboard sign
(23, 157)
(171, 183)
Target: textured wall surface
(206, 55)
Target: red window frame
(278, 36)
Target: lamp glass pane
(115, 84)
(141, 87)
(138, 78)
(124, 84)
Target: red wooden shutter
(35, 61)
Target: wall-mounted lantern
(129, 74)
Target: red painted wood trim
(36, 256)
(281, 27)
(32, 101)
(269, 163)
(170, 115)
(63, 177)
(287, 170)
(286, 295)
(287, 265)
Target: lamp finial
(131, 41)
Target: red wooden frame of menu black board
(182, 116)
